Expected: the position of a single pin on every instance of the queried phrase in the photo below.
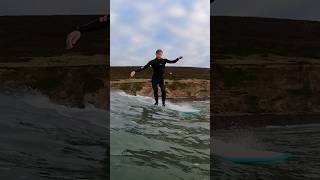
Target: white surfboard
(183, 109)
(241, 155)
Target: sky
(289, 9)
(179, 27)
(292, 9)
(53, 7)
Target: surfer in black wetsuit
(95, 24)
(158, 65)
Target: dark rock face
(251, 95)
(257, 88)
(70, 86)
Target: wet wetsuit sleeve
(144, 67)
(172, 61)
(95, 24)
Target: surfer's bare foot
(163, 104)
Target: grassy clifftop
(27, 37)
(243, 36)
(123, 72)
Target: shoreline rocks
(70, 86)
(176, 89)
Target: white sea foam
(182, 107)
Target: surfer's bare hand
(72, 39)
(132, 73)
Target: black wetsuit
(158, 66)
(95, 24)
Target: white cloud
(177, 11)
(178, 28)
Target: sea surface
(42, 140)
(300, 142)
(158, 143)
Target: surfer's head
(159, 53)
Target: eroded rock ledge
(73, 86)
(178, 89)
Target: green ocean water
(152, 142)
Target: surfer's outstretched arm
(173, 61)
(144, 67)
(95, 24)
(140, 69)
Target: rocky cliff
(265, 71)
(177, 89)
(71, 86)
(258, 86)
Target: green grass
(175, 73)
(49, 40)
(233, 76)
(125, 87)
(176, 85)
(243, 36)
